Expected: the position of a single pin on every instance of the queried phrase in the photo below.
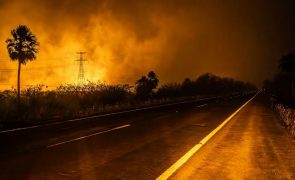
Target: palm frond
(23, 45)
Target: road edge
(180, 162)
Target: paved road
(252, 146)
(144, 145)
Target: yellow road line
(172, 169)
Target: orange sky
(126, 39)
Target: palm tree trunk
(293, 91)
(18, 82)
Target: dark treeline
(68, 101)
(282, 85)
(206, 84)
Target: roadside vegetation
(69, 101)
(282, 91)
(287, 116)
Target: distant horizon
(52, 87)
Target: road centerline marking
(180, 162)
(202, 105)
(90, 135)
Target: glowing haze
(125, 39)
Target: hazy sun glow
(125, 40)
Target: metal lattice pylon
(81, 77)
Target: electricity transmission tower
(81, 77)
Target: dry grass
(69, 101)
(287, 116)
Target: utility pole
(81, 77)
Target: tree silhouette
(287, 66)
(187, 86)
(206, 84)
(287, 63)
(152, 77)
(22, 47)
(145, 85)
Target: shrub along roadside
(287, 117)
(70, 101)
(66, 101)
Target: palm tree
(22, 47)
(287, 65)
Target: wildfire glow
(125, 40)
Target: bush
(65, 102)
(8, 106)
(287, 115)
(171, 90)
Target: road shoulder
(252, 145)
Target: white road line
(84, 137)
(172, 169)
(202, 105)
(17, 129)
(103, 115)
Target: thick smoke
(126, 39)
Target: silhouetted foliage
(96, 93)
(22, 47)
(281, 87)
(68, 101)
(287, 64)
(187, 87)
(283, 84)
(171, 90)
(145, 86)
(206, 84)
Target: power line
(40, 61)
(29, 85)
(37, 68)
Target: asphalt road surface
(143, 145)
(253, 145)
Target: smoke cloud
(126, 39)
